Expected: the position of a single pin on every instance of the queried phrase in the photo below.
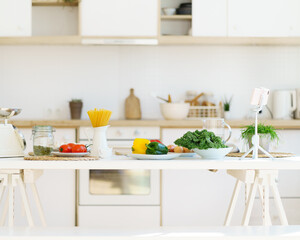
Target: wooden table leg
(11, 200)
(25, 202)
(38, 203)
(261, 195)
(249, 205)
(232, 202)
(278, 203)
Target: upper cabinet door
(15, 18)
(209, 17)
(264, 18)
(119, 17)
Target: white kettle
(284, 104)
(12, 142)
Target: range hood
(119, 41)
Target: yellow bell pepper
(139, 146)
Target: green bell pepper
(156, 148)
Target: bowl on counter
(174, 111)
(169, 11)
(213, 153)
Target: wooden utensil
(194, 101)
(132, 107)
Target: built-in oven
(119, 197)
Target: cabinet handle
(119, 133)
(137, 132)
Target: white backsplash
(42, 79)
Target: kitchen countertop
(279, 124)
(122, 162)
(178, 233)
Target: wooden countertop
(279, 124)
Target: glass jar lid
(42, 128)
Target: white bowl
(169, 11)
(213, 153)
(174, 111)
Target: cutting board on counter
(132, 107)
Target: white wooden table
(120, 162)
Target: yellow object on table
(99, 117)
(139, 145)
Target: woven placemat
(274, 154)
(54, 158)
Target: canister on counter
(43, 140)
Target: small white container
(213, 153)
(174, 111)
(100, 147)
(169, 11)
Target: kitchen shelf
(176, 17)
(278, 124)
(54, 3)
(252, 41)
(41, 40)
(162, 40)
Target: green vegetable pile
(156, 148)
(201, 140)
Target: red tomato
(79, 148)
(65, 148)
(71, 144)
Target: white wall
(41, 79)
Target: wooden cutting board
(132, 107)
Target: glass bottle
(43, 140)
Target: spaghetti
(99, 117)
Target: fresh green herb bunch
(201, 140)
(227, 103)
(249, 131)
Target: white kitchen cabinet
(56, 189)
(209, 18)
(122, 133)
(119, 18)
(119, 216)
(15, 18)
(263, 18)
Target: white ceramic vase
(100, 147)
(227, 114)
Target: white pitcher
(100, 147)
(284, 104)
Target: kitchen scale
(12, 142)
